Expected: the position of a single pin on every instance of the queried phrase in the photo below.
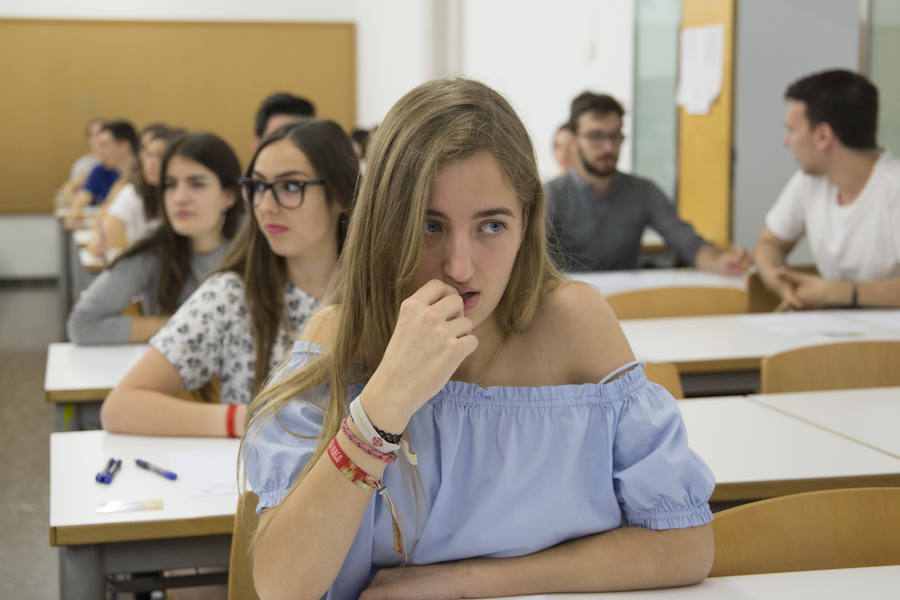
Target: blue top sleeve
(659, 481)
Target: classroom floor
(29, 320)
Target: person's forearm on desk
(769, 256)
(622, 559)
(144, 403)
(726, 262)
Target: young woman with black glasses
(243, 318)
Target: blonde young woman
(241, 321)
(453, 343)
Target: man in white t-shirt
(845, 198)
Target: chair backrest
(843, 365)
(759, 298)
(830, 529)
(677, 302)
(666, 375)
(240, 565)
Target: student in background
(134, 211)
(277, 110)
(845, 199)
(201, 213)
(85, 164)
(241, 321)
(449, 330)
(598, 214)
(117, 148)
(564, 152)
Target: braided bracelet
(370, 431)
(387, 457)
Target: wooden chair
(666, 375)
(240, 565)
(830, 529)
(759, 298)
(677, 302)
(843, 365)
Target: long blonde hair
(437, 122)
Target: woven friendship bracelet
(387, 457)
(349, 469)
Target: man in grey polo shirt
(596, 214)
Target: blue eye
(432, 227)
(493, 227)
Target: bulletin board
(58, 74)
(705, 141)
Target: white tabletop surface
(871, 416)
(752, 336)
(831, 584)
(76, 457)
(744, 442)
(74, 368)
(614, 282)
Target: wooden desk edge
(143, 530)
(716, 366)
(86, 395)
(758, 490)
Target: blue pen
(109, 471)
(145, 465)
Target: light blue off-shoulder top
(506, 471)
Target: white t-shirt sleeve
(129, 208)
(787, 218)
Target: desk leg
(81, 573)
(64, 286)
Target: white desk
(832, 584)
(78, 378)
(755, 452)
(735, 344)
(869, 416)
(614, 282)
(190, 530)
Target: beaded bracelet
(387, 457)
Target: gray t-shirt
(588, 231)
(97, 317)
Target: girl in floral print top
(241, 321)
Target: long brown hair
(433, 124)
(173, 249)
(265, 273)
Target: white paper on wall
(700, 67)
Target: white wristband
(361, 419)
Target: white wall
(542, 54)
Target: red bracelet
(386, 457)
(349, 469)
(229, 421)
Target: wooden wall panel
(704, 141)
(201, 75)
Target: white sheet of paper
(805, 324)
(700, 70)
(206, 472)
(878, 318)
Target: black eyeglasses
(287, 193)
(597, 138)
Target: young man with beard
(597, 214)
(845, 199)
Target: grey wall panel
(777, 42)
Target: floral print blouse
(211, 334)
